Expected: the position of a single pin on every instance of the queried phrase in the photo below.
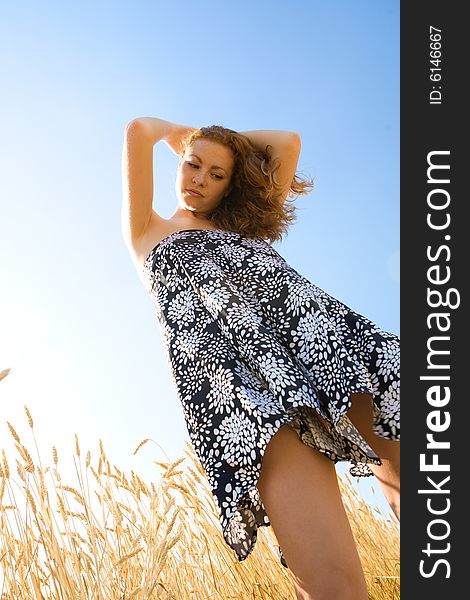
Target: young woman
(278, 380)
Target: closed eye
(197, 167)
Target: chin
(189, 205)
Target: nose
(199, 178)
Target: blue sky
(77, 326)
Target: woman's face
(206, 167)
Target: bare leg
(299, 490)
(388, 451)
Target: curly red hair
(254, 207)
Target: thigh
(388, 474)
(299, 490)
(361, 414)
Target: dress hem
(295, 417)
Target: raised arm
(140, 136)
(286, 146)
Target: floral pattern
(253, 345)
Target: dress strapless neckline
(174, 233)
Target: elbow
(134, 126)
(295, 139)
(291, 140)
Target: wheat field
(109, 535)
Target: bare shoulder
(156, 230)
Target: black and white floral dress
(252, 345)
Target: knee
(338, 583)
(342, 585)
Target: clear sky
(77, 326)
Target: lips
(194, 193)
